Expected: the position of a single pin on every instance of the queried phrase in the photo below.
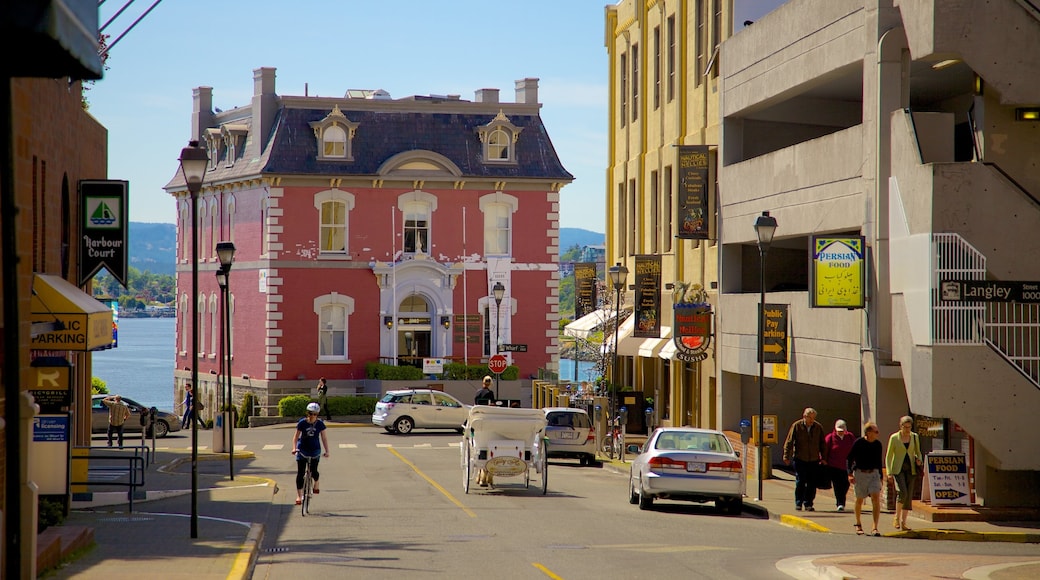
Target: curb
(248, 555)
(966, 536)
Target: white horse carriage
(504, 442)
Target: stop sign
(497, 364)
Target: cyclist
(307, 448)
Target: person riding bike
(308, 448)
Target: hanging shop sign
(838, 272)
(691, 332)
(584, 288)
(694, 192)
(103, 242)
(648, 297)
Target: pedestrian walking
(323, 398)
(866, 471)
(118, 413)
(838, 443)
(903, 461)
(804, 446)
(191, 405)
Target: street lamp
(765, 227)
(499, 292)
(618, 278)
(226, 255)
(194, 162)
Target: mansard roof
(380, 135)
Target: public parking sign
(497, 364)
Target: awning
(586, 325)
(629, 345)
(668, 350)
(66, 318)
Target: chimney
(264, 107)
(486, 95)
(201, 112)
(527, 91)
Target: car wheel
(404, 425)
(161, 428)
(633, 497)
(388, 429)
(645, 501)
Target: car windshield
(713, 442)
(568, 419)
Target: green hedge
(296, 406)
(452, 372)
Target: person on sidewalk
(484, 396)
(804, 445)
(866, 472)
(903, 460)
(839, 443)
(323, 398)
(307, 444)
(118, 413)
(190, 405)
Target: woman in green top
(903, 460)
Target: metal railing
(108, 467)
(1011, 329)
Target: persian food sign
(648, 297)
(838, 269)
(694, 190)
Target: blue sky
(406, 47)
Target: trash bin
(218, 434)
(765, 463)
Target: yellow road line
(546, 571)
(436, 485)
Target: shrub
(383, 372)
(296, 405)
(453, 371)
(52, 513)
(247, 410)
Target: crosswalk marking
(348, 445)
(274, 447)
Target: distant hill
(570, 237)
(153, 247)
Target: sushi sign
(103, 239)
(692, 334)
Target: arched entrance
(414, 331)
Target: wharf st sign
(990, 291)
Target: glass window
(635, 82)
(657, 67)
(671, 58)
(416, 227)
(333, 226)
(442, 400)
(623, 83)
(655, 216)
(666, 206)
(497, 218)
(202, 323)
(214, 331)
(332, 332)
(499, 142)
(334, 142)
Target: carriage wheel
(467, 466)
(545, 473)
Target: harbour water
(586, 370)
(141, 367)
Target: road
(394, 505)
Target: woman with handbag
(903, 461)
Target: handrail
(134, 470)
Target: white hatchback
(570, 434)
(405, 410)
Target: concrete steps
(57, 543)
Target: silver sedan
(687, 464)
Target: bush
(296, 405)
(452, 372)
(392, 373)
(247, 410)
(52, 513)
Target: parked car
(405, 410)
(570, 434)
(687, 464)
(165, 421)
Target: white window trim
(214, 336)
(335, 195)
(334, 299)
(418, 197)
(500, 199)
(500, 122)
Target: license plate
(569, 435)
(695, 466)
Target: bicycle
(612, 445)
(308, 485)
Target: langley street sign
(990, 291)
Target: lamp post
(618, 278)
(194, 161)
(226, 255)
(765, 227)
(499, 292)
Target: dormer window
(234, 140)
(335, 135)
(499, 139)
(214, 146)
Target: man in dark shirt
(804, 445)
(866, 465)
(484, 396)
